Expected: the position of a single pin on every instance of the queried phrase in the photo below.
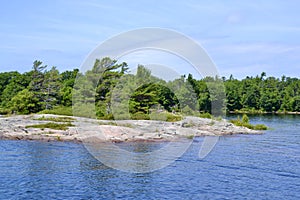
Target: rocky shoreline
(17, 128)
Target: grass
(51, 125)
(56, 119)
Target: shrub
(245, 119)
(162, 116)
(187, 111)
(59, 110)
(245, 123)
(173, 118)
(205, 115)
(190, 137)
(5, 111)
(140, 116)
(107, 117)
(260, 127)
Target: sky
(243, 38)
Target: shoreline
(263, 113)
(17, 127)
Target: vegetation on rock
(142, 95)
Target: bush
(162, 116)
(245, 119)
(260, 127)
(245, 123)
(187, 111)
(5, 111)
(140, 116)
(205, 115)
(84, 110)
(173, 118)
(107, 117)
(59, 110)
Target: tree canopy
(113, 91)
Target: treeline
(115, 93)
(36, 90)
(263, 94)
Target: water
(240, 167)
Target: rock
(14, 127)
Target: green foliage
(245, 119)
(260, 127)
(188, 111)
(24, 102)
(59, 110)
(260, 94)
(205, 115)
(173, 117)
(190, 137)
(246, 123)
(55, 119)
(219, 118)
(85, 110)
(107, 91)
(140, 116)
(51, 125)
(5, 111)
(108, 123)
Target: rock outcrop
(16, 127)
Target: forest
(115, 93)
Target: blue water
(240, 167)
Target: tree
(37, 84)
(51, 85)
(24, 102)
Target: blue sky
(242, 37)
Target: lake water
(240, 167)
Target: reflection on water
(244, 166)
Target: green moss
(51, 125)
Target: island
(49, 127)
